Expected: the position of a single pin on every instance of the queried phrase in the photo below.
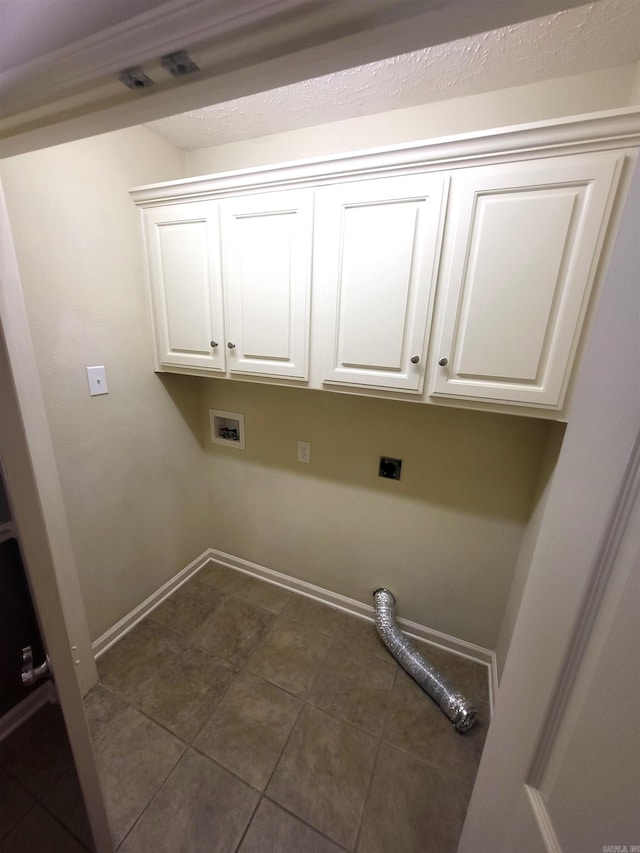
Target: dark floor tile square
(184, 689)
(38, 752)
(38, 832)
(324, 773)
(362, 636)
(15, 802)
(261, 593)
(134, 756)
(313, 614)
(355, 687)
(187, 608)
(412, 807)
(219, 576)
(249, 728)
(133, 659)
(101, 707)
(290, 657)
(273, 830)
(201, 807)
(65, 800)
(417, 725)
(233, 630)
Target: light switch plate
(97, 377)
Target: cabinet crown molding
(612, 129)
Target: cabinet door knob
(214, 344)
(230, 345)
(415, 359)
(443, 362)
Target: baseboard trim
(21, 712)
(112, 635)
(349, 605)
(543, 820)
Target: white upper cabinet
(266, 250)
(522, 248)
(458, 270)
(183, 256)
(230, 284)
(375, 262)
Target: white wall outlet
(97, 377)
(304, 451)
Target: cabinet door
(182, 242)
(376, 257)
(524, 244)
(266, 242)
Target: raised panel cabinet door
(376, 255)
(266, 249)
(183, 254)
(517, 274)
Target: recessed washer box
(227, 428)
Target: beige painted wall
(126, 460)
(599, 90)
(635, 91)
(445, 538)
(529, 539)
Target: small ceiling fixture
(179, 64)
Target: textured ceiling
(599, 35)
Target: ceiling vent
(179, 64)
(135, 78)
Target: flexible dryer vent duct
(453, 703)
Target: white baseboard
(21, 712)
(138, 613)
(349, 605)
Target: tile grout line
(105, 733)
(249, 822)
(305, 823)
(38, 803)
(69, 829)
(151, 799)
(38, 799)
(304, 703)
(19, 821)
(375, 764)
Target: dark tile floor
(41, 806)
(242, 717)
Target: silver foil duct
(451, 701)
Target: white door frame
(40, 519)
(587, 513)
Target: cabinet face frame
(182, 249)
(266, 252)
(359, 227)
(537, 318)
